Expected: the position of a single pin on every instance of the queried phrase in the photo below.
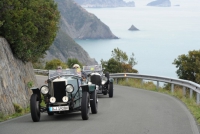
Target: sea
(164, 34)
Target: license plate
(59, 108)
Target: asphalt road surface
(130, 111)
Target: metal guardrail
(40, 71)
(184, 83)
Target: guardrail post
(172, 88)
(157, 85)
(198, 98)
(126, 79)
(116, 80)
(142, 82)
(191, 93)
(184, 91)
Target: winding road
(130, 111)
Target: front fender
(36, 90)
(111, 80)
(88, 88)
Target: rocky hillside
(160, 3)
(79, 24)
(105, 3)
(65, 47)
(14, 78)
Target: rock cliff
(14, 77)
(79, 24)
(64, 47)
(160, 3)
(105, 3)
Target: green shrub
(52, 64)
(30, 84)
(18, 108)
(29, 26)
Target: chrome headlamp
(69, 88)
(44, 89)
(52, 99)
(89, 83)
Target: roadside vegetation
(19, 111)
(119, 62)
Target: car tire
(110, 88)
(94, 102)
(85, 106)
(35, 108)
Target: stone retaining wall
(14, 77)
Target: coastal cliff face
(14, 78)
(64, 47)
(79, 24)
(105, 3)
(160, 3)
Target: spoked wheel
(85, 105)
(110, 89)
(94, 102)
(35, 108)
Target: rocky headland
(79, 24)
(64, 47)
(160, 3)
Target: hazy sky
(173, 2)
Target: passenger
(79, 72)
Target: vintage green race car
(103, 81)
(65, 92)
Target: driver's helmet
(78, 69)
(76, 66)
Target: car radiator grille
(96, 79)
(59, 90)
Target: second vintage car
(65, 92)
(103, 81)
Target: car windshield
(65, 72)
(93, 68)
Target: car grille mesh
(96, 79)
(59, 90)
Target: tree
(119, 55)
(189, 66)
(54, 63)
(112, 66)
(72, 61)
(119, 62)
(29, 26)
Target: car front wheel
(94, 102)
(35, 108)
(85, 106)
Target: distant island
(133, 28)
(160, 3)
(105, 3)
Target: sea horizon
(164, 34)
